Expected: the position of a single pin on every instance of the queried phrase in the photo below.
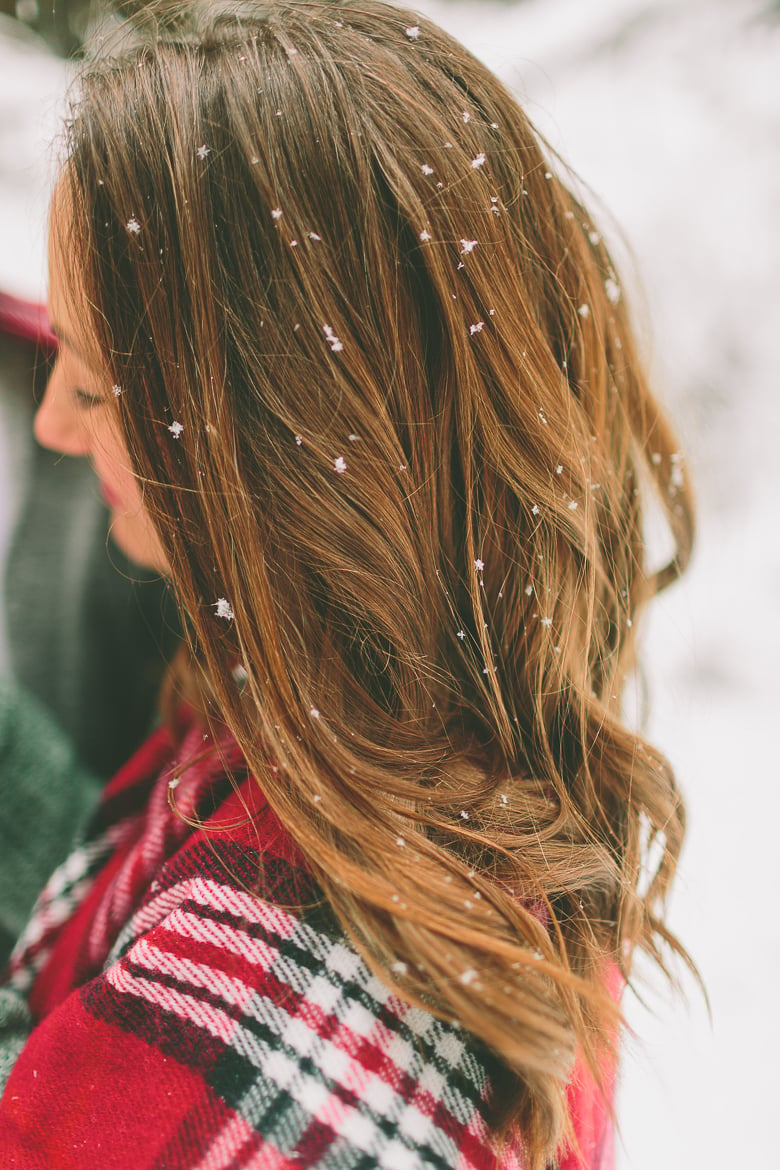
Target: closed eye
(87, 401)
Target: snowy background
(670, 111)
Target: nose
(59, 424)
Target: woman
(355, 372)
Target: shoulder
(251, 1022)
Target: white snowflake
(314, 713)
(116, 390)
(559, 469)
(313, 236)
(595, 238)
(461, 634)
(203, 150)
(535, 510)
(480, 325)
(133, 225)
(425, 236)
(333, 340)
(399, 968)
(276, 213)
(479, 161)
(468, 976)
(340, 464)
(412, 32)
(547, 622)
(584, 311)
(174, 782)
(466, 117)
(224, 609)
(400, 842)
(426, 169)
(467, 246)
(529, 590)
(573, 505)
(612, 289)
(176, 429)
(503, 798)
(479, 565)
(464, 814)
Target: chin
(138, 544)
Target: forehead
(67, 303)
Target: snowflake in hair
(479, 161)
(340, 464)
(479, 565)
(133, 226)
(612, 289)
(413, 32)
(224, 609)
(176, 429)
(203, 150)
(333, 341)
(467, 246)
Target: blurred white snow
(670, 112)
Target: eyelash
(85, 400)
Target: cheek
(112, 465)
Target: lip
(109, 497)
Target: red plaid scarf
(188, 1020)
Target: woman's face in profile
(78, 414)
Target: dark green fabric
(45, 796)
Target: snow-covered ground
(670, 110)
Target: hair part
(406, 496)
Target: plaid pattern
(189, 1019)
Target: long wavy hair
(380, 386)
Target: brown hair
(406, 493)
